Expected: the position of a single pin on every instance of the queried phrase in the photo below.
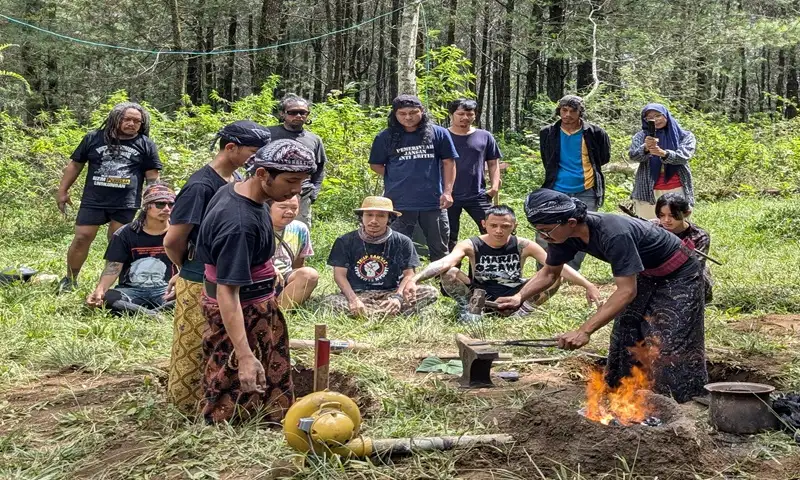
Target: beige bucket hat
(378, 204)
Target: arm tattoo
(433, 269)
(112, 268)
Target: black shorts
(101, 216)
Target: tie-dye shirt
(297, 237)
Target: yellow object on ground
(323, 422)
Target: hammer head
(476, 361)
(477, 301)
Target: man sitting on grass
(496, 260)
(292, 246)
(136, 256)
(372, 265)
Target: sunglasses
(161, 205)
(296, 113)
(547, 234)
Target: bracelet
(396, 296)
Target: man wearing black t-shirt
(237, 142)
(293, 112)
(657, 307)
(120, 156)
(246, 342)
(373, 264)
(136, 256)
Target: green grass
(134, 433)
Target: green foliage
(782, 222)
(14, 75)
(444, 75)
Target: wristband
(396, 296)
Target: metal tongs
(530, 343)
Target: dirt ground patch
(303, 378)
(775, 325)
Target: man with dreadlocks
(293, 112)
(121, 157)
(246, 343)
(573, 151)
(136, 256)
(417, 162)
(238, 141)
(657, 306)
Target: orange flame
(628, 402)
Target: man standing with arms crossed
(237, 142)
(476, 149)
(417, 162)
(573, 152)
(294, 111)
(120, 156)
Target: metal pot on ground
(741, 407)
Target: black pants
(476, 209)
(434, 225)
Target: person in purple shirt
(476, 149)
(417, 162)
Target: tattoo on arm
(432, 270)
(112, 268)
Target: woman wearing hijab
(658, 301)
(663, 160)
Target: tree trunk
(251, 43)
(177, 44)
(792, 85)
(533, 54)
(555, 65)
(407, 50)
(703, 83)
(503, 85)
(483, 79)
(451, 23)
(230, 61)
(743, 110)
(394, 65)
(780, 81)
(583, 76)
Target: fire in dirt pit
(628, 403)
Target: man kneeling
(292, 246)
(496, 259)
(137, 257)
(373, 264)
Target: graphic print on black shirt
(373, 266)
(497, 270)
(116, 172)
(145, 263)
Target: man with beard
(120, 156)
(246, 342)
(294, 112)
(373, 264)
(136, 256)
(238, 141)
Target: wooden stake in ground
(322, 357)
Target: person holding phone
(663, 150)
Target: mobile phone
(651, 128)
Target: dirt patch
(754, 369)
(303, 378)
(551, 434)
(775, 325)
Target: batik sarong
(668, 314)
(186, 361)
(269, 340)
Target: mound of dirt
(550, 433)
(303, 378)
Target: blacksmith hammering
(477, 362)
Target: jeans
(148, 301)
(589, 197)
(434, 226)
(476, 209)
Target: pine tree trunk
(394, 65)
(230, 61)
(407, 51)
(792, 84)
(177, 44)
(555, 65)
(451, 23)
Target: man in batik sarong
(237, 142)
(659, 297)
(246, 343)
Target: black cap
(245, 133)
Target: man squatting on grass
(246, 343)
(120, 157)
(238, 141)
(477, 149)
(659, 295)
(416, 160)
(293, 112)
(292, 247)
(373, 265)
(496, 261)
(136, 256)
